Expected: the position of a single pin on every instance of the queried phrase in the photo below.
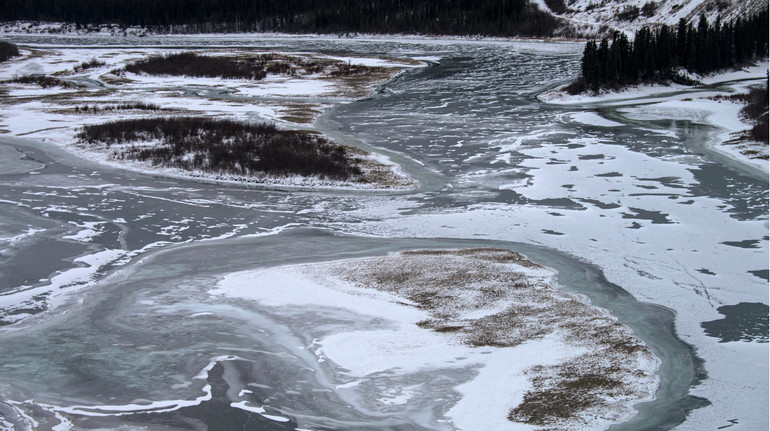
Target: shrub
(140, 106)
(8, 50)
(191, 64)
(759, 132)
(756, 110)
(44, 81)
(649, 8)
(225, 147)
(89, 65)
(756, 103)
(629, 13)
(576, 87)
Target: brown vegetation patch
(234, 150)
(573, 392)
(755, 111)
(88, 65)
(563, 397)
(374, 172)
(495, 298)
(44, 81)
(497, 255)
(192, 64)
(352, 81)
(256, 67)
(360, 79)
(223, 147)
(300, 113)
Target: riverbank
(296, 90)
(703, 104)
(545, 358)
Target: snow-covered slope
(599, 17)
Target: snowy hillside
(599, 17)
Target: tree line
(453, 17)
(656, 55)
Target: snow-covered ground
(57, 114)
(596, 18)
(679, 255)
(679, 102)
(639, 213)
(491, 318)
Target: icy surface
(651, 204)
(407, 348)
(57, 114)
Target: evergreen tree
(681, 42)
(665, 47)
(653, 56)
(589, 62)
(702, 54)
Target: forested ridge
(659, 55)
(452, 17)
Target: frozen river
(635, 211)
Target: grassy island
(468, 306)
(249, 67)
(224, 147)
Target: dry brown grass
(575, 391)
(497, 255)
(374, 172)
(300, 113)
(450, 284)
(360, 85)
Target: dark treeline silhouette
(8, 50)
(655, 55)
(224, 147)
(457, 17)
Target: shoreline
(680, 102)
(372, 279)
(579, 276)
(290, 182)
(44, 28)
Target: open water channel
(639, 216)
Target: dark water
(742, 322)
